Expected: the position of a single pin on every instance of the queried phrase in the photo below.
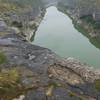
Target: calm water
(57, 32)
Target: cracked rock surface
(46, 76)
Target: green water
(57, 33)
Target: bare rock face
(30, 72)
(46, 76)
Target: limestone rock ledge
(40, 74)
(30, 72)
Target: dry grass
(97, 84)
(5, 7)
(3, 33)
(9, 83)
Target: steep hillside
(30, 72)
(23, 16)
(85, 15)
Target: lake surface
(57, 33)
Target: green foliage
(9, 83)
(91, 21)
(17, 24)
(71, 94)
(88, 19)
(2, 58)
(97, 84)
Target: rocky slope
(30, 72)
(85, 15)
(36, 73)
(23, 17)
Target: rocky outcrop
(23, 17)
(38, 73)
(30, 72)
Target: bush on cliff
(9, 83)
(2, 58)
(97, 84)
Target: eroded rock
(39, 68)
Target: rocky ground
(30, 72)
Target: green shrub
(88, 19)
(2, 58)
(91, 21)
(9, 83)
(71, 94)
(97, 84)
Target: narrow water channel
(57, 33)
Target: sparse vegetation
(90, 21)
(71, 94)
(51, 87)
(3, 33)
(17, 24)
(49, 91)
(6, 6)
(2, 58)
(97, 84)
(9, 82)
(14, 81)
